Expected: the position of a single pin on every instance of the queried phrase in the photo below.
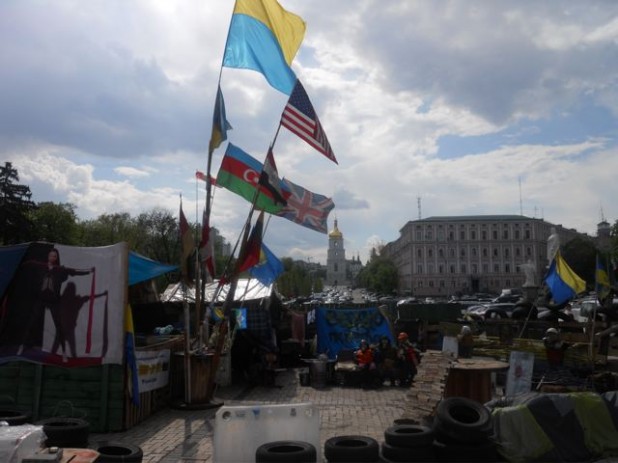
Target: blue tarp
(142, 268)
(345, 328)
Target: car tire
(65, 432)
(14, 416)
(285, 451)
(113, 452)
(408, 435)
(462, 419)
(341, 449)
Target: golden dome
(335, 233)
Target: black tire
(285, 451)
(343, 449)
(65, 432)
(14, 416)
(462, 419)
(112, 452)
(409, 454)
(408, 435)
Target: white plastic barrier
(240, 430)
(19, 442)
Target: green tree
(380, 274)
(109, 229)
(15, 207)
(55, 223)
(158, 235)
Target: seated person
(386, 360)
(408, 358)
(366, 364)
(554, 348)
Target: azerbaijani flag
(264, 37)
(240, 173)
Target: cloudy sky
(432, 108)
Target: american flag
(306, 208)
(300, 118)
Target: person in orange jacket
(366, 364)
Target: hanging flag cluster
(264, 37)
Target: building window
(452, 269)
(507, 268)
(440, 234)
(473, 252)
(474, 269)
(440, 268)
(430, 268)
(495, 252)
(419, 253)
(451, 235)
(463, 252)
(430, 252)
(496, 268)
(517, 252)
(516, 234)
(419, 283)
(506, 252)
(494, 234)
(419, 234)
(336, 267)
(485, 268)
(419, 269)
(431, 283)
(484, 252)
(483, 234)
(528, 251)
(527, 234)
(452, 252)
(463, 268)
(462, 234)
(440, 252)
(441, 283)
(473, 234)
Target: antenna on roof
(418, 203)
(602, 214)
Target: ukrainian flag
(562, 281)
(602, 284)
(264, 37)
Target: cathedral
(339, 271)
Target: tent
(248, 289)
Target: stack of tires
(346, 449)
(408, 442)
(463, 432)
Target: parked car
(492, 310)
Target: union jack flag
(300, 118)
(306, 208)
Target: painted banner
(153, 369)
(63, 305)
(345, 328)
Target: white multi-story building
(443, 256)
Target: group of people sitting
(385, 362)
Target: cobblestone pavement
(171, 435)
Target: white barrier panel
(240, 430)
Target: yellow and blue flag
(562, 281)
(133, 377)
(264, 37)
(602, 283)
(220, 125)
(268, 268)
